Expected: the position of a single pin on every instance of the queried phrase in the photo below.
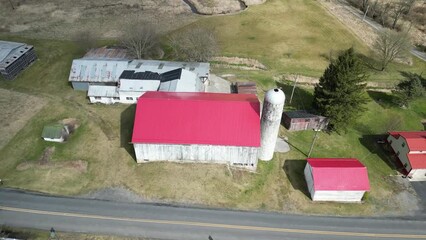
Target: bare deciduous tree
(400, 8)
(141, 39)
(194, 44)
(391, 45)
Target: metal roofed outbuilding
(101, 72)
(336, 179)
(197, 127)
(15, 57)
(302, 120)
(201, 69)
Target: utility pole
(366, 11)
(313, 141)
(11, 4)
(294, 87)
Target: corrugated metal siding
(239, 156)
(82, 86)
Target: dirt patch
(64, 19)
(238, 63)
(210, 7)
(76, 165)
(45, 163)
(71, 123)
(305, 80)
(15, 111)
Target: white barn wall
(418, 175)
(338, 196)
(133, 95)
(104, 100)
(234, 155)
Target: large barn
(15, 57)
(410, 149)
(336, 179)
(197, 127)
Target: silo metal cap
(275, 96)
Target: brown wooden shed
(302, 120)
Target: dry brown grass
(105, 19)
(16, 109)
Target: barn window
(116, 98)
(403, 144)
(405, 165)
(98, 98)
(129, 98)
(397, 153)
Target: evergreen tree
(412, 87)
(339, 95)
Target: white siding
(104, 100)
(234, 155)
(130, 97)
(418, 175)
(54, 139)
(337, 196)
(400, 148)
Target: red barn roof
(416, 141)
(339, 174)
(197, 118)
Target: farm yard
(272, 33)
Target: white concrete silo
(273, 106)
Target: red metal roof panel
(416, 141)
(197, 118)
(339, 174)
(417, 161)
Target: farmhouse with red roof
(199, 127)
(410, 149)
(336, 179)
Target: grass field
(294, 36)
(289, 37)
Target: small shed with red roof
(197, 127)
(336, 179)
(410, 149)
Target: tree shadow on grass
(294, 169)
(377, 144)
(302, 99)
(127, 118)
(386, 100)
(369, 62)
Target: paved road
(31, 210)
(421, 55)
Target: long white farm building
(197, 127)
(110, 77)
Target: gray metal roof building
(15, 57)
(201, 69)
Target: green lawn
(294, 36)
